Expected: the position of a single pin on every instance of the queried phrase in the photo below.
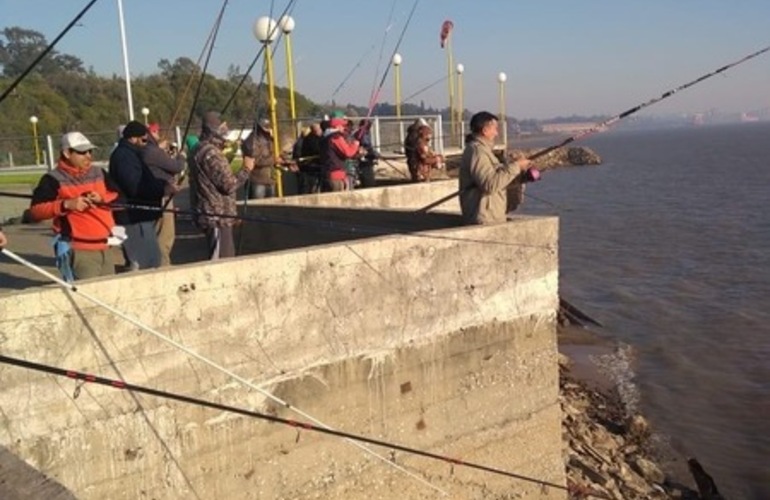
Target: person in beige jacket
(484, 181)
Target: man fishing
(484, 181)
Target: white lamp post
(129, 98)
(33, 120)
(286, 24)
(397, 60)
(502, 78)
(460, 112)
(145, 113)
(266, 30)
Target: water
(667, 244)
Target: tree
(21, 47)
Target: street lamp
(460, 112)
(397, 60)
(33, 120)
(145, 113)
(502, 78)
(266, 30)
(286, 24)
(129, 98)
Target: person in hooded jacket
(335, 150)
(216, 187)
(166, 168)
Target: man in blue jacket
(139, 187)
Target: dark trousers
(221, 242)
(141, 249)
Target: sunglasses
(89, 152)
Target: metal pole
(450, 71)
(51, 157)
(37, 144)
(397, 74)
(503, 120)
(290, 77)
(129, 98)
(273, 116)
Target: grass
(20, 179)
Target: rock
(648, 470)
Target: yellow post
(502, 77)
(290, 76)
(460, 69)
(450, 71)
(273, 117)
(398, 90)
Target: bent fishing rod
(297, 424)
(45, 52)
(611, 121)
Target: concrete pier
(441, 339)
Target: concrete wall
(443, 341)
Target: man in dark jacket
(139, 187)
(215, 186)
(165, 168)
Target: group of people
(87, 204)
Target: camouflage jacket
(214, 184)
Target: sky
(561, 57)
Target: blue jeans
(258, 191)
(141, 249)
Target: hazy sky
(562, 57)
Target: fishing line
(45, 52)
(427, 87)
(207, 361)
(256, 58)
(390, 62)
(611, 121)
(388, 26)
(350, 73)
(123, 385)
(322, 225)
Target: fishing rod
(350, 73)
(611, 121)
(45, 52)
(376, 96)
(388, 26)
(427, 87)
(297, 424)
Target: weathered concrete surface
(465, 319)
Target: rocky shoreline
(609, 448)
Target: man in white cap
(73, 195)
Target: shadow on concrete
(21, 481)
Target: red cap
(153, 128)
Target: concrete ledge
(464, 314)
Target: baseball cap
(153, 128)
(76, 141)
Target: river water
(667, 243)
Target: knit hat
(153, 128)
(134, 129)
(191, 141)
(338, 123)
(338, 114)
(213, 125)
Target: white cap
(76, 141)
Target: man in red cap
(335, 149)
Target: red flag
(446, 28)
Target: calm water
(668, 244)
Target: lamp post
(145, 113)
(501, 79)
(33, 120)
(460, 112)
(287, 26)
(266, 30)
(397, 60)
(129, 98)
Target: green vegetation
(20, 179)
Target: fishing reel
(532, 174)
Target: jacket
(136, 182)
(87, 230)
(215, 184)
(483, 184)
(335, 149)
(160, 163)
(260, 147)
